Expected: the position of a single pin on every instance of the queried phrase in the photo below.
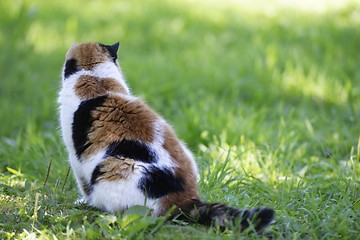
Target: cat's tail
(224, 216)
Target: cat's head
(88, 56)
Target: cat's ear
(111, 49)
(115, 47)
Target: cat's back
(90, 76)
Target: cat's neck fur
(107, 70)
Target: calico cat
(123, 153)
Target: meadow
(266, 94)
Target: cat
(123, 153)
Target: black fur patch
(96, 173)
(225, 216)
(264, 217)
(132, 149)
(159, 182)
(208, 213)
(82, 123)
(112, 50)
(70, 67)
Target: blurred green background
(268, 88)
(251, 69)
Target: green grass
(267, 96)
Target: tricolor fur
(123, 153)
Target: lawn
(266, 94)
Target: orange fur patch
(117, 119)
(88, 87)
(87, 55)
(184, 170)
(113, 169)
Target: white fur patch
(120, 195)
(110, 70)
(192, 162)
(69, 103)
(165, 160)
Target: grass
(266, 94)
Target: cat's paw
(81, 201)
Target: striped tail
(224, 216)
